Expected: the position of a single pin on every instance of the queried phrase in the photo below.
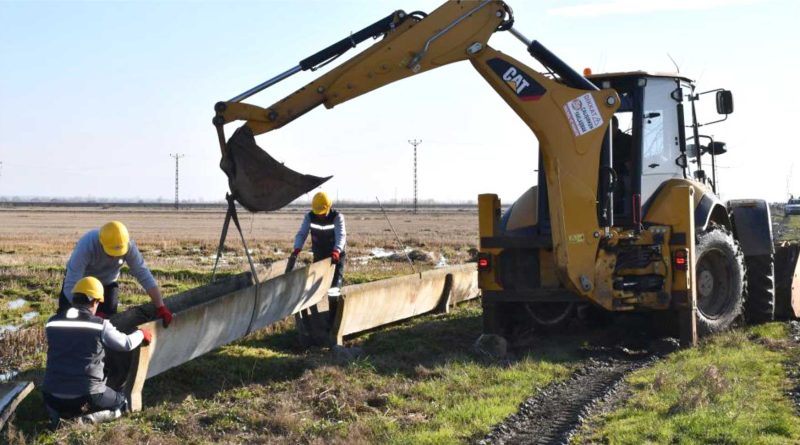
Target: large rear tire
(720, 280)
(760, 303)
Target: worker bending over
(328, 235)
(74, 383)
(101, 253)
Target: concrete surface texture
(370, 305)
(198, 329)
(10, 396)
(288, 294)
(235, 310)
(465, 282)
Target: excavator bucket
(787, 280)
(256, 179)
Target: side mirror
(724, 102)
(716, 148)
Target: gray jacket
(76, 342)
(88, 259)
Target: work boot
(334, 294)
(52, 414)
(100, 416)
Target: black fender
(708, 207)
(752, 226)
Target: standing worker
(328, 239)
(74, 383)
(101, 253)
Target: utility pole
(177, 157)
(415, 143)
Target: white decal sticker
(583, 114)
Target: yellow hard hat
(91, 287)
(321, 203)
(114, 238)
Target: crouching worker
(74, 383)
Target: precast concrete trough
(224, 311)
(11, 394)
(212, 316)
(367, 306)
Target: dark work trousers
(90, 403)
(338, 274)
(338, 278)
(107, 307)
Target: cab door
(660, 135)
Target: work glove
(148, 337)
(335, 256)
(292, 260)
(164, 314)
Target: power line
(177, 157)
(415, 143)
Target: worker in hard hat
(74, 383)
(328, 235)
(101, 253)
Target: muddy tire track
(557, 411)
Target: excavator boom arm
(569, 116)
(410, 46)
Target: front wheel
(720, 280)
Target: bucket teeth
(257, 180)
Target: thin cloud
(618, 7)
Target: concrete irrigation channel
(224, 311)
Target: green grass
(416, 382)
(790, 226)
(729, 390)
(453, 394)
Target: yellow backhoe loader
(625, 216)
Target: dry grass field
(189, 238)
(415, 382)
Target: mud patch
(558, 411)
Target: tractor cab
(655, 136)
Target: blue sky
(96, 95)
